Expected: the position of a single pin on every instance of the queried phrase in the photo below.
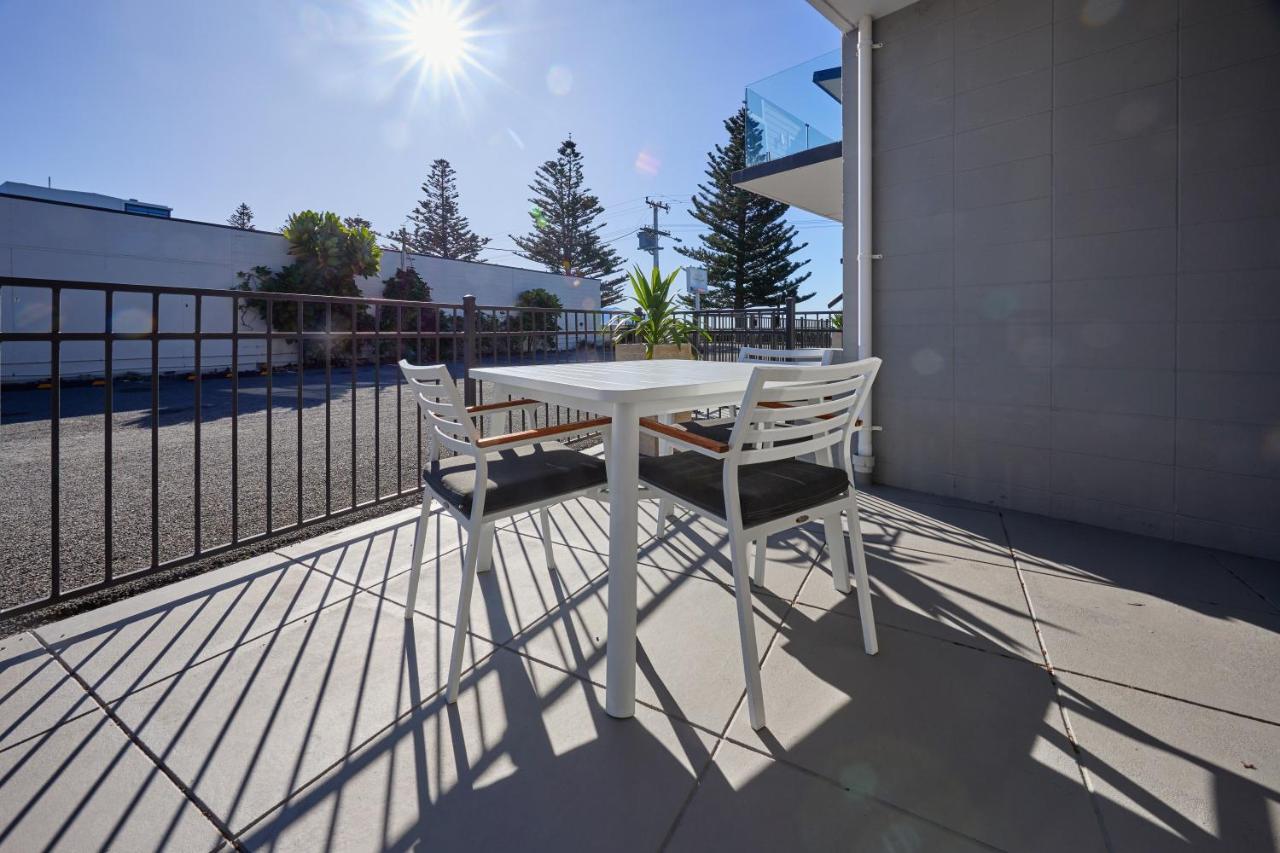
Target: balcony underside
(811, 180)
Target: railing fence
(260, 381)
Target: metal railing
(776, 328)
(260, 381)
(283, 367)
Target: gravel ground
(25, 465)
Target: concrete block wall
(1078, 205)
(44, 240)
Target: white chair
(719, 428)
(755, 485)
(490, 479)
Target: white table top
(625, 381)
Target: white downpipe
(866, 459)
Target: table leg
(624, 486)
(664, 504)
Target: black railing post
(468, 348)
(791, 322)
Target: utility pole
(649, 236)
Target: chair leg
(544, 521)
(665, 508)
(838, 550)
(415, 567)
(865, 614)
(762, 550)
(475, 545)
(485, 559)
(747, 630)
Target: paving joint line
(188, 794)
(918, 633)
(737, 707)
(835, 783)
(1085, 777)
(1173, 599)
(324, 771)
(239, 644)
(1150, 692)
(885, 552)
(1221, 563)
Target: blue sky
(292, 105)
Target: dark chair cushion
(767, 490)
(518, 476)
(715, 432)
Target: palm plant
(656, 320)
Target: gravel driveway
(25, 465)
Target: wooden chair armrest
(545, 432)
(681, 434)
(508, 404)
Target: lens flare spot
(559, 80)
(926, 362)
(647, 163)
(1096, 13)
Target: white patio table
(625, 391)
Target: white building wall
(58, 241)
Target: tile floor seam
(726, 738)
(1172, 599)
(1147, 690)
(1057, 669)
(355, 591)
(1086, 778)
(136, 742)
(28, 738)
(886, 553)
(443, 621)
(586, 679)
(918, 633)
(324, 771)
(989, 510)
(737, 708)
(877, 799)
(68, 717)
(1272, 607)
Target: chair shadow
(529, 756)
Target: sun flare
(436, 40)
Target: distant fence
(290, 412)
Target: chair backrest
(809, 407)
(443, 407)
(810, 355)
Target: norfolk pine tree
(747, 246)
(242, 218)
(565, 237)
(439, 228)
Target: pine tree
(747, 246)
(566, 237)
(356, 222)
(438, 227)
(242, 218)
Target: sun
(437, 35)
(436, 40)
